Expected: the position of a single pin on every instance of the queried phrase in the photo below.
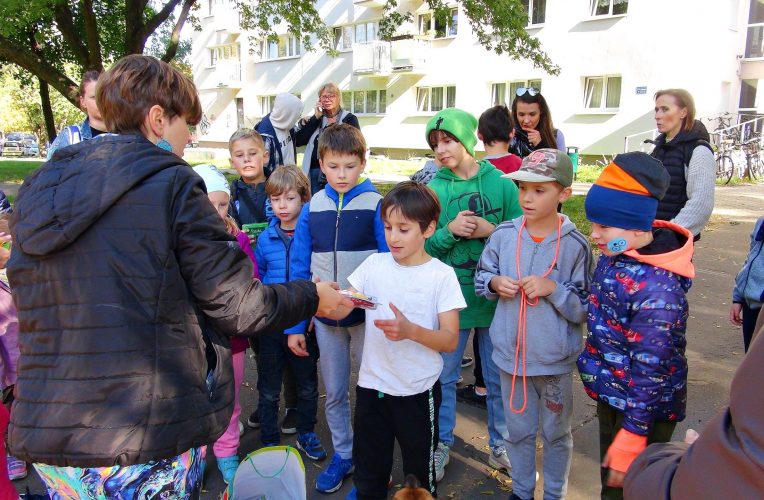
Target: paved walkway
(714, 351)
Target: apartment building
(613, 55)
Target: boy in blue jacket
(287, 189)
(748, 293)
(336, 232)
(633, 363)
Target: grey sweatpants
(550, 398)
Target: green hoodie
(488, 195)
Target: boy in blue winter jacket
(287, 189)
(633, 363)
(537, 267)
(748, 293)
(336, 231)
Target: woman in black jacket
(128, 285)
(327, 112)
(533, 124)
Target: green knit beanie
(460, 124)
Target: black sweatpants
(380, 419)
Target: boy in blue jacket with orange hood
(634, 363)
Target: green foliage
(300, 16)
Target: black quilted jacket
(123, 275)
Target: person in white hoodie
(277, 129)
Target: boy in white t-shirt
(416, 318)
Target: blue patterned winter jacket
(633, 359)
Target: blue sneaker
(309, 443)
(353, 495)
(331, 479)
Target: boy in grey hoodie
(538, 267)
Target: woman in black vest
(683, 148)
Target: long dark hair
(545, 126)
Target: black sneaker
(289, 424)
(254, 420)
(468, 395)
(467, 361)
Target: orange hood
(677, 261)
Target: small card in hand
(359, 299)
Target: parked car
(13, 148)
(31, 149)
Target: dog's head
(411, 490)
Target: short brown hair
(87, 77)
(683, 100)
(246, 133)
(414, 201)
(127, 91)
(287, 177)
(434, 134)
(342, 138)
(496, 125)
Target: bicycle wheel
(755, 170)
(724, 168)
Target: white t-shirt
(287, 150)
(403, 368)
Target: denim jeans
(336, 344)
(274, 355)
(452, 364)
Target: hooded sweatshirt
(633, 358)
(554, 324)
(489, 196)
(749, 282)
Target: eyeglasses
(527, 90)
(327, 97)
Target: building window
(754, 43)
(266, 104)
(224, 53)
(602, 92)
(346, 36)
(504, 92)
(433, 99)
(370, 102)
(536, 10)
(608, 7)
(286, 46)
(429, 24)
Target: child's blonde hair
(287, 177)
(246, 133)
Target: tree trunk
(47, 110)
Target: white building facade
(613, 54)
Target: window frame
(531, 4)
(508, 89)
(364, 96)
(290, 44)
(453, 14)
(447, 94)
(603, 107)
(611, 7)
(341, 30)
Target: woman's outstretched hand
(331, 304)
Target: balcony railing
(380, 58)
(228, 74)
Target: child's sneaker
(441, 460)
(353, 495)
(254, 419)
(331, 479)
(289, 424)
(309, 443)
(467, 361)
(228, 466)
(498, 459)
(17, 469)
(241, 429)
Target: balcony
(380, 58)
(372, 58)
(227, 74)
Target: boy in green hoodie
(475, 199)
